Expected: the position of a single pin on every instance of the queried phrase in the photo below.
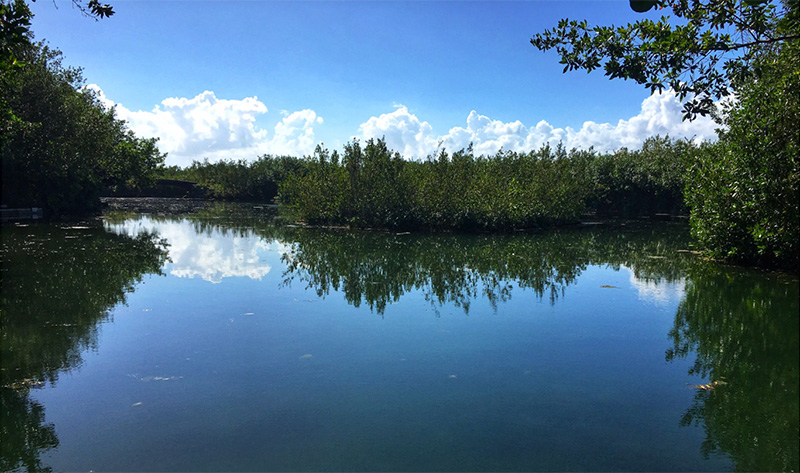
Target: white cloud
(295, 132)
(660, 115)
(209, 127)
(404, 132)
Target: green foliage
(642, 182)
(15, 22)
(95, 9)
(708, 46)
(744, 190)
(374, 187)
(240, 180)
(15, 36)
(63, 148)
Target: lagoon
(223, 339)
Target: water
(221, 341)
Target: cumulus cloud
(404, 132)
(209, 127)
(206, 126)
(295, 132)
(660, 114)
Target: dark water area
(220, 340)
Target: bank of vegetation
(238, 180)
(62, 149)
(371, 186)
(743, 208)
(742, 192)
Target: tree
(93, 9)
(15, 23)
(743, 190)
(709, 46)
(60, 146)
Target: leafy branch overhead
(93, 9)
(15, 24)
(704, 49)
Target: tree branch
(756, 42)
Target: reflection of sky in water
(211, 255)
(256, 376)
(657, 291)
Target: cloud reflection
(657, 291)
(211, 255)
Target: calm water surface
(220, 341)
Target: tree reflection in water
(741, 326)
(378, 268)
(58, 284)
(742, 329)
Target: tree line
(61, 149)
(742, 208)
(366, 182)
(737, 60)
(371, 186)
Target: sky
(239, 79)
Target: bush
(744, 190)
(61, 148)
(240, 180)
(643, 182)
(374, 187)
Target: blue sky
(234, 79)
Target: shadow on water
(58, 284)
(741, 326)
